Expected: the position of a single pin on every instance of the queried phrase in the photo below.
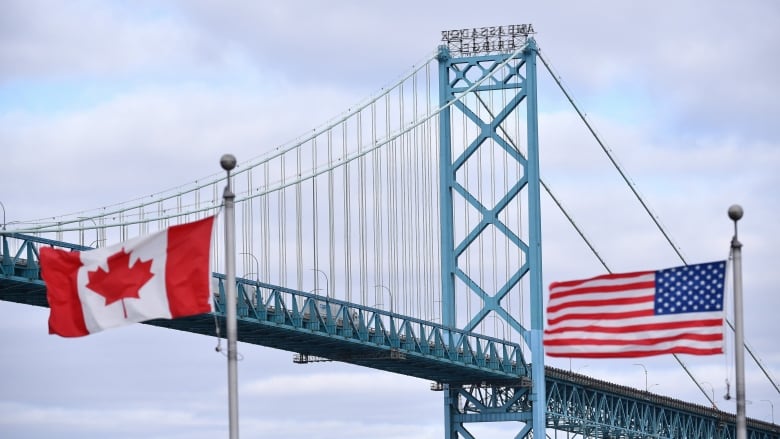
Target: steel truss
(310, 325)
(597, 409)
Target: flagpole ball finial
(228, 162)
(735, 212)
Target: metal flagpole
(735, 213)
(228, 162)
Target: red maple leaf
(121, 281)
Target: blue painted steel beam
(446, 181)
(534, 232)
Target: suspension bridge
(404, 236)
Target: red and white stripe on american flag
(628, 315)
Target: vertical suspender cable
(362, 212)
(281, 219)
(480, 196)
(391, 191)
(416, 240)
(377, 203)
(347, 216)
(466, 220)
(433, 215)
(298, 220)
(493, 231)
(197, 205)
(479, 241)
(423, 151)
(508, 217)
(81, 232)
(160, 210)
(123, 228)
(266, 220)
(329, 289)
(403, 176)
(315, 249)
(246, 224)
(216, 201)
(518, 255)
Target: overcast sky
(104, 101)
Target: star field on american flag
(694, 288)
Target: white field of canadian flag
(162, 275)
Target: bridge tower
(473, 64)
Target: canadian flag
(163, 275)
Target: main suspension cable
(656, 219)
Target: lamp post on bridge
(645, 369)
(391, 296)
(257, 264)
(496, 320)
(97, 233)
(327, 293)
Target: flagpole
(228, 162)
(735, 213)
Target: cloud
(105, 420)
(343, 384)
(97, 39)
(334, 429)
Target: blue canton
(692, 288)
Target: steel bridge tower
(476, 66)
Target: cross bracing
(481, 374)
(492, 93)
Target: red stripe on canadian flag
(163, 275)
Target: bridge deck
(366, 337)
(314, 326)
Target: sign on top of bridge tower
(485, 40)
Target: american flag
(673, 311)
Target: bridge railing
(19, 255)
(367, 325)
